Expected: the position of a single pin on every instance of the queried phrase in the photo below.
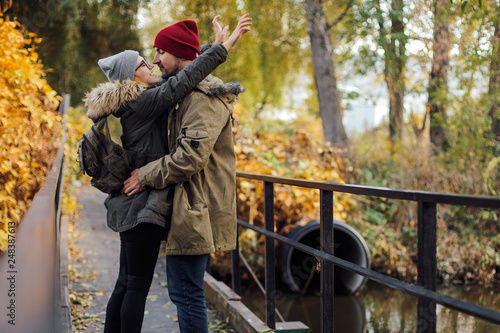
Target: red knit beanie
(180, 39)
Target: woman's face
(144, 72)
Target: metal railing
(425, 289)
(32, 293)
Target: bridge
(34, 282)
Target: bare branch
(341, 16)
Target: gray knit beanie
(120, 66)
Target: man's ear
(184, 62)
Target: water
(378, 309)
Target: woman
(142, 219)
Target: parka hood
(214, 86)
(107, 98)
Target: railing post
(235, 266)
(269, 256)
(426, 265)
(326, 274)
(235, 257)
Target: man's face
(168, 63)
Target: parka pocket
(190, 223)
(192, 137)
(160, 201)
(158, 207)
(196, 133)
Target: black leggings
(139, 249)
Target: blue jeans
(185, 288)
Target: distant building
(358, 118)
(364, 108)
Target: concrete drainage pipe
(299, 268)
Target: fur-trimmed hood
(213, 86)
(107, 98)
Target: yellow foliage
(291, 153)
(77, 123)
(29, 123)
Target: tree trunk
(494, 84)
(394, 45)
(324, 72)
(438, 82)
(397, 85)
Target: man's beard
(173, 72)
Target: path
(98, 261)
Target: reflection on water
(377, 309)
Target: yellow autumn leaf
(29, 123)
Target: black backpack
(107, 162)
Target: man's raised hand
(243, 27)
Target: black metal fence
(425, 290)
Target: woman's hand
(220, 34)
(243, 27)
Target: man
(201, 167)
